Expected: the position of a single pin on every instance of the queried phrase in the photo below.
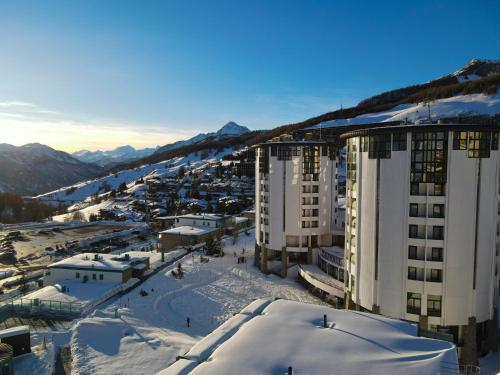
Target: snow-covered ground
(151, 330)
(464, 105)
(290, 333)
(168, 168)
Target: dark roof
(292, 143)
(381, 129)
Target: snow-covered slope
(35, 168)
(464, 105)
(121, 154)
(228, 130)
(352, 343)
(81, 191)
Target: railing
(469, 369)
(435, 335)
(38, 306)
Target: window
(413, 231)
(412, 273)
(413, 209)
(314, 241)
(433, 305)
(379, 146)
(267, 238)
(436, 254)
(413, 301)
(428, 157)
(310, 188)
(435, 275)
(310, 160)
(438, 190)
(399, 141)
(94, 276)
(314, 224)
(460, 140)
(414, 189)
(263, 160)
(416, 252)
(437, 232)
(494, 141)
(305, 241)
(286, 152)
(438, 210)
(101, 277)
(363, 144)
(479, 145)
(78, 275)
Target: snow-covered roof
(14, 331)
(189, 230)
(353, 343)
(240, 219)
(210, 217)
(105, 262)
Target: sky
(99, 74)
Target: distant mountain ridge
(118, 155)
(231, 129)
(35, 168)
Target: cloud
(13, 103)
(22, 122)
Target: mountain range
(107, 159)
(35, 168)
(230, 129)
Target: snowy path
(151, 330)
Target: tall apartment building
(422, 227)
(295, 202)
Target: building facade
(422, 227)
(295, 202)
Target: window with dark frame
(412, 252)
(399, 141)
(434, 305)
(412, 273)
(428, 157)
(413, 303)
(436, 254)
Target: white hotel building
(422, 227)
(295, 202)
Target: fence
(37, 307)
(435, 335)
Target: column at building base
(469, 351)
(492, 334)
(284, 262)
(263, 259)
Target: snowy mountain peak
(120, 154)
(232, 128)
(478, 68)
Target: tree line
(14, 209)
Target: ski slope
(463, 105)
